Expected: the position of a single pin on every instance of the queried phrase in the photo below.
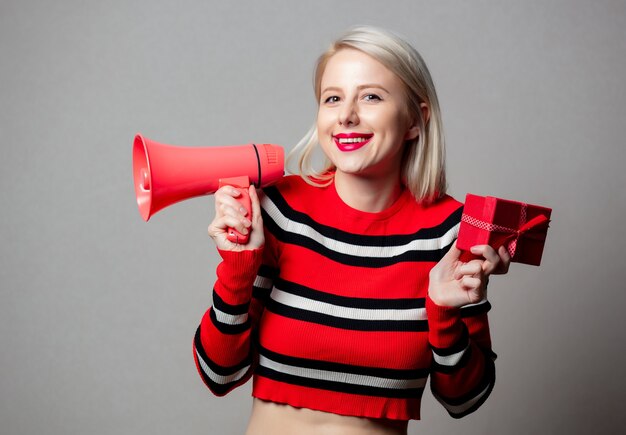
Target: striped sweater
(333, 313)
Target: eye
(331, 99)
(372, 97)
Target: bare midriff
(278, 419)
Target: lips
(351, 141)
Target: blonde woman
(350, 291)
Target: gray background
(98, 308)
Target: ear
(414, 130)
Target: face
(363, 119)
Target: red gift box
(522, 228)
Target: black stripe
(351, 302)
(343, 323)
(432, 256)
(235, 310)
(357, 239)
(487, 382)
(457, 347)
(380, 372)
(262, 294)
(220, 389)
(258, 162)
(339, 386)
(218, 369)
(268, 272)
(475, 310)
(227, 329)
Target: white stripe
(357, 250)
(344, 378)
(230, 319)
(450, 360)
(219, 379)
(484, 301)
(459, 409)
(262, 282)
(346, 312)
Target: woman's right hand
(230, 213)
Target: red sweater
(333, 313)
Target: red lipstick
(351, 141)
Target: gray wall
(98, 308)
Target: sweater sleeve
(463, 371)
(223, 345)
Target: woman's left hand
(454, 283)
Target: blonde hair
(423, 167)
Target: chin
(354, 169)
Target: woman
(350, 291)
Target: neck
(370, 195)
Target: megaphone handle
(242, 184)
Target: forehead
(353, 67)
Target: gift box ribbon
(537, 223)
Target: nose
(348, 115)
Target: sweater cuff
(445, 327)
(236, 274)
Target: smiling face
(363, 120)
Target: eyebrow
(360, 87)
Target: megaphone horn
(167, 174)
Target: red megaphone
(166, 174)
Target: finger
(471, 283)
(474, 296)
(235, 223)
(226, 203)
(238, 213)
(452, 255)
(492, 259)
(486, 252)
(229, 190)
(505, 258)
(232, 202)
(228, 195)
(504, 254)
(219, 225)
(473, 268)
(256, 205)
(444, 269)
